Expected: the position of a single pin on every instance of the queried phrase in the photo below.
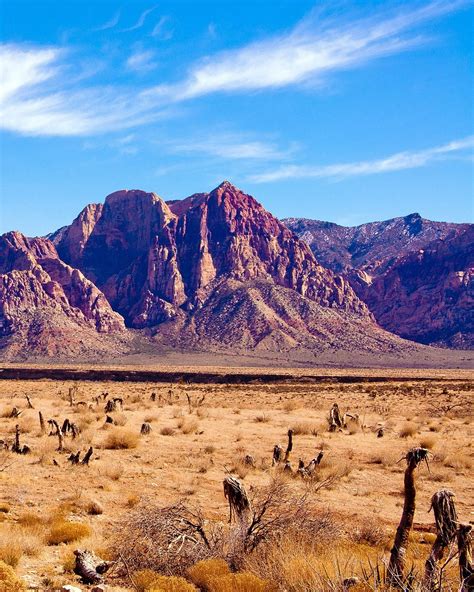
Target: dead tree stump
(90, 567)
(289, 447)
(28, 400)
(42, 424)
(239, 504)
(87, 456)
(335, 419)
(145, 429)
(466, 565)
(446, 520)
(17, 447)
(277, 454)
(396, 566)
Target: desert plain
(201, 432)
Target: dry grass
(120, 439)
(64, 531)
(360, 474)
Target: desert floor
(199, 432)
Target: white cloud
(141, 61)
(140, 22)
(396, 162)
(230, 146)
(161, 30)
(310, 51)
(110, 24)
(36, 100)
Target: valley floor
(202, 431)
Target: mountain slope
(405, 269)
(47, 306)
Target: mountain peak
(228, 186)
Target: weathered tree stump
(145, 429)
(446, 520)
(277, 454)
(289, 447)
(41, 421)
(398, 553)
(466, 565)
(90, 567)
(87, 456)
(28, 400)
(239, 504)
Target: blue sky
(342, 111)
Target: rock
(99, 588)
(69, 588)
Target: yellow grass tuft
(120, 439)
(64, 531)
(9, 581)
(202, 572)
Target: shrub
(302, 429)
(10, 553)
(427, 442)
(202, 572)
(4, 507)
(9, 582)
(187, 426)
(238, 582)
(408, 429)
(120, 439)
(144, 579)
(171, 584)
(65, 531)
(94, 508)
(167, 431)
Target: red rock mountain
(414, 274)
(154, 260)
(47, 305)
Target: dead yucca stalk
(466, 565)
(396, 566)
(239, 504)
(446, 520)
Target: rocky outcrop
(414, 274)
(155, 260)
(45, 304)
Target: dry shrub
(132, 500)
(114, 471)
(9, 582)
(120, 419)
(303, 428)
(11, 552)
(4, 507)
(171, 584)
(209, 449)
(262, 418)
(64, 531)
(428, 442)
(458, 461)
(369, 533)
(94, 508)
(120, 439)
(238, 582)
(408, 429)
(29, 519)
(144, 579)
(291, 405)
(201, 572)
(167, 431)
(187, 425)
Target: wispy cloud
(311, 51)
(395, 162)
(36, 100)
(110, 24)
(231, 146)
(140, 22)
(141, 61)
(162, 29)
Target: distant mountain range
(216, 271)
(416, 276)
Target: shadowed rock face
(155, 261)
(414, 274)
(41, 294)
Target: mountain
(414, 274)
(210, 272)
(46, 306)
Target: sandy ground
(189, 449)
